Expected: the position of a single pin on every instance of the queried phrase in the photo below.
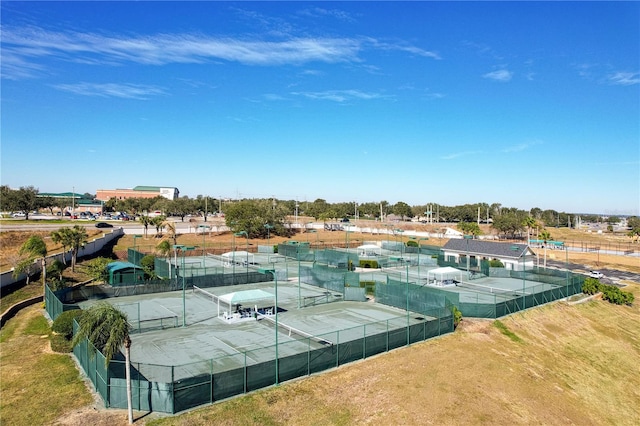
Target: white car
(596, 274)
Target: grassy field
(558, 364)
(37, 386)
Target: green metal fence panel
(53, 305)
(232, 382)
(293, 366)
(261, 375)
(192, 391)
(350, 351)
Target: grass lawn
(37, 385)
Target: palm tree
(74, 238)
(164, 248)
(530, 223)
(545, 236)
(171, 230)
(107, 328)
(158, 222)
(146, 221)
(32, 249)
(60, 237)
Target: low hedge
(610, 293)
(63, 325)
(369, 263)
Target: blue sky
(522, 104)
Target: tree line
(251, 215)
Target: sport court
(214, 332)
(207, 330)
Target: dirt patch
(89, 415)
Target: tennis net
(154, 323)
(326, 297)
(487, 289)
(292, 332)
(206, 295)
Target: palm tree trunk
(73, 260)
(44, 277)
(127, 355)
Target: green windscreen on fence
(175, 388)
(181, 387)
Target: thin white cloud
(21, 46)
(521, 146)
(455, 155)
(482, 49)
(319, 12)
(339, 95)
(499, 75)
(273, 97)
(312, 72)
(403, 47)
(175, 48)
(112, 90)
(625, 78)
(15, 67)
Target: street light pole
(269, 228)
(233, 256)
(275, 279)
(238, 234)
(419, 248)
(566, 266)
(135, 257)
(203, 228)
(408, 333)
(180, 247)
(523, 256)
(468, 237)
(399, 232)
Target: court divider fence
(172, 389)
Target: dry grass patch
(11, 241)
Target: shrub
(412, 243)
(369, 263)
(56, 284)
(591, 286)
(457, 316)
(63, 325)
(495, 263)
(97, 268)
(610, 293)
(148, 263)
(55, 269)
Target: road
(611, 276)
(128, 227)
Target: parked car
(103, 225)
(596, 274)
(18, 214)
